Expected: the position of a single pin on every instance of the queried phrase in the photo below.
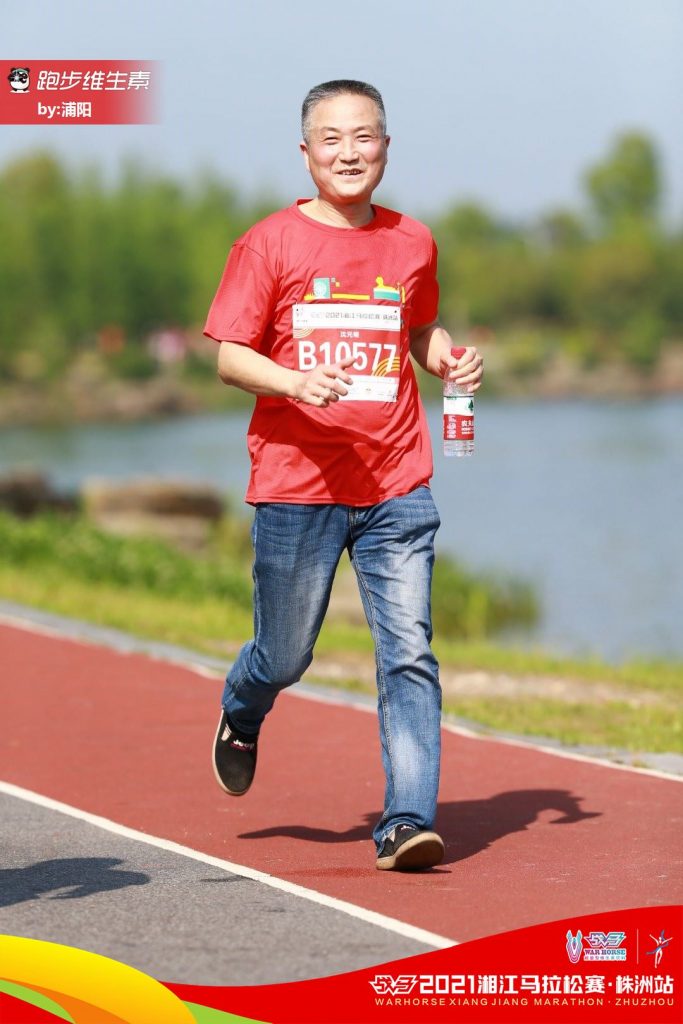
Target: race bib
(329, 332)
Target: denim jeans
(391, 544)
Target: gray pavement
(68, 881)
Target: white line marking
(408, 931)
(459, 730)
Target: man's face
(346, 152)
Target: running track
(530, 836)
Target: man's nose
(348, 150)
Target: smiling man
(318, 311)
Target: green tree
(37, 210)
(626, 185)
(560, 229)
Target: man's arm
(244, 368)
(430, 347)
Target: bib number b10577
(370, 334)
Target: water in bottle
(458, 415)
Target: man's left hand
(467, 371)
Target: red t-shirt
(302, 292)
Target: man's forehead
(345, 110)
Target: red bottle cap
(458, 353)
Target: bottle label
(458, 418)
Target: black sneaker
(409, 849)
(234, 758)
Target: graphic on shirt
(395, 293)
(321, 288)
(371, 334)
(324, 288)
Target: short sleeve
(244, 303)
(426, 299)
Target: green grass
(148, 589)
(663, 677)
(208, 624)
(59, 547)
(218, 627)
(615, 724)
(463, 604)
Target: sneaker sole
(422, 851)
(230, 792)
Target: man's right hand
(324, 383)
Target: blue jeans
(391, 544)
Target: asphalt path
(281, 884)
(173, 917)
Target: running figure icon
(660, 943)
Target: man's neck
(352, 216)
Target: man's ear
(304, 150)
(387, 140)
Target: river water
(584, 499)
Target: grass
(616, 724)
(145, 588)
(663, 677)
(218, 627)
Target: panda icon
(19, 79)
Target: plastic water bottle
(458, 415)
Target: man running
(318, 311)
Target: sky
(503, 102)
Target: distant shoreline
(73, 401)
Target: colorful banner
(622, 966)
(78, 91)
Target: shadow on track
(467, 826)
(82, 876)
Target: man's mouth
(350, 173)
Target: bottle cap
(458, 353)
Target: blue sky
(502, 101)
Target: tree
(626, 185)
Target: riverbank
(88, 392)
(113, 400)
(149, 590)
(627, 714)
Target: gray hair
(340, 87)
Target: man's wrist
(292, 384)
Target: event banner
(78, 91)
(621, 966)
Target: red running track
(530, 836)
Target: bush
(642, 339)
(472, 607)
(74, 548)
(134, 363)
